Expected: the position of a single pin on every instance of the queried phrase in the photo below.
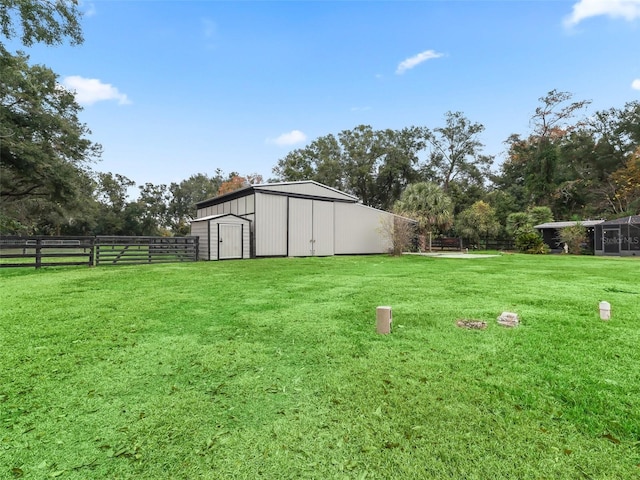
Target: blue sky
(173, 88)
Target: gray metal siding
(358, 229)
(323, 228)
(201, 230)
(270, 228)
(207, 230)
(300, 227)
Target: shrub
(400, 233)
(574, 236)
(531, 242)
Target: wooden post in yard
(38, 253)
(383, 320)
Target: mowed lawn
(272, 368)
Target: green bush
(574, 236)
(531, 242)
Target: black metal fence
(44, 251)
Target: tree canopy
(44, 148)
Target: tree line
(570, 165)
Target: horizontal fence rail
(45, 251)
(132, 250)
(102, 250)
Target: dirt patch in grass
(471, 324)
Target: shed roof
(584, 223)
(220, 215)
(305, 188)
(632, 220)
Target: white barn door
(229, 241)
(310, 227)
(300, 227)
(323, 228)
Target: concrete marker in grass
(605, 310)
(383, 320)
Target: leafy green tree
(321, 161)
(41, 21)
(398, 168)
(43, 146)
(455, 152)
(184, 196)
(477, 222)
(44, 149)
(519, 222)
(153, 200)
(536, 163)
(428, 204)
(540, 215)
(112, 193)
(374, 165)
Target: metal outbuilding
(223, 237)
(618, 237)
(551, 233)
(298, 219)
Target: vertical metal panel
(251, 203)
(213, 240)
(246, 241)
(242, 205)
(358, 229)
(270, 225)
(323, 228)
(233, 206)
(251, 234)
(301, 242)
(201, 230)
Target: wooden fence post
(38, 253)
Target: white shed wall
(270, 228)
(207, 231)
(300, 227)
(323, 228)
(201, 230)
(358, 229)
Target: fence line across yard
(41, 251)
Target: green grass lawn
(272, 369)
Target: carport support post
(383, 320)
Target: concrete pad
(452, 255)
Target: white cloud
(91, 90)
(416, 60)
(583, 9)
(291, 138)
(636, 84)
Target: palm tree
(427, 203)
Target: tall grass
(272, 369)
